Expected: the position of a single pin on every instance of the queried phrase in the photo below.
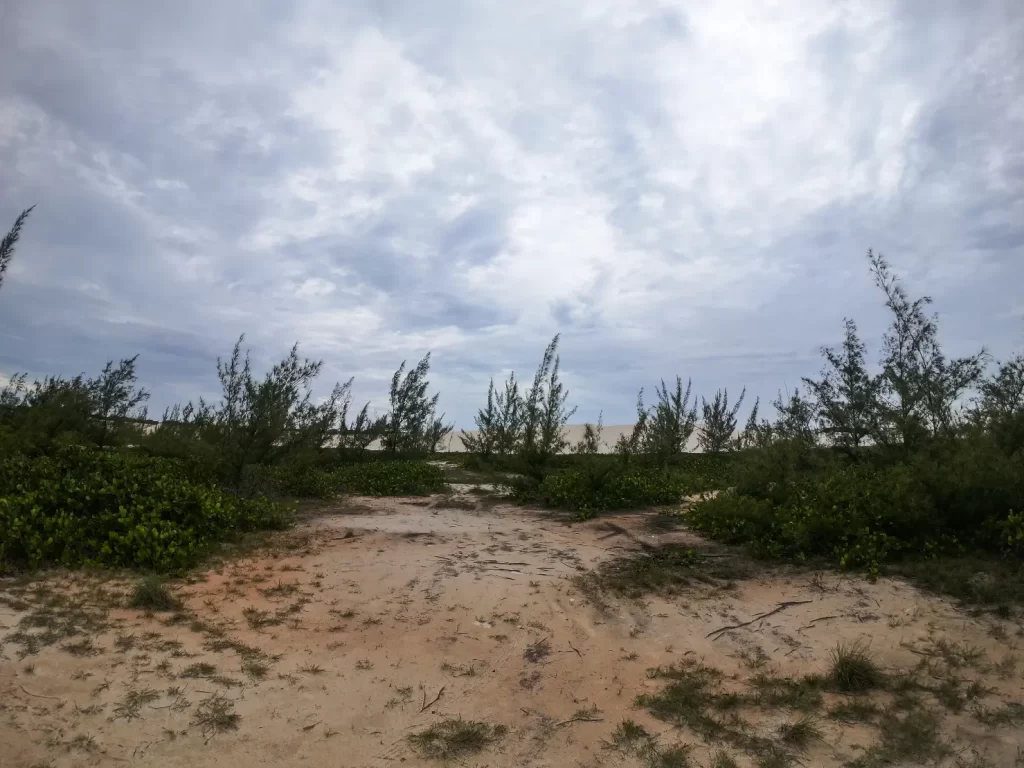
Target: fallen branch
(39, 695)
(780, 607)
(587, 719)
(432, 702)
(815, 621)
(576, 649)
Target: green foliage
(545, 413)
(83, 507)
(718, 422)
(411, 426)
(599, 486)
(367, 478)
(10, 240)
(150, 594)
(499, 425)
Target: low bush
(598, 486)
(367, 478)
(87, 507)
(949, 500)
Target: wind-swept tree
(412, 425)
(920, 387)
(718, 422)
(486, 420)
(671, 422)
(115, 397)
(590, 443)
(545, 413)
(1000, 409)
(10, 240)
(846, 396)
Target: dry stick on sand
(780, 607)
(433, 701)
(38, 695)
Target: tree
(544, 411)
(10, 240)
(920, 387)
(115, 396)
(628, 447)
(508, 430)
(485, 439)
(671, 422)
(719, 422)
(750, 437)
(590, 443)
(846, 396)
(1001, 406)
(794, 420)
(411, 425)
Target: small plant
(853, 670)
(855, 711)
(151, 594)
(538, 650)
(216, 715)
(455, 737)
(130, 707)
(311, 669)
(630, 738)
(256, 670)
(199, 669)
(801, 733)
(364, 664)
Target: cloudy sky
(677, 186)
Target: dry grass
(454, 738)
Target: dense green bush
(950, 498)
(597, 485)
(366, 478)
(81, 506)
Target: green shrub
(948, 499)
(86, 507)
(601, 486)
(367, 478)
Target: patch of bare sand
(376, 620)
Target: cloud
(676, 187)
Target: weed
(455, 737)
(151, 594)
(216, 715)
(855, 711)
(853, 670)
(83, 647)
(199, 669)
(537, 650)
(255, 670)
(803, 694)
(130, 706)
(311, 669)
(124, 643)
(257, 619)
(364, 664)
(1008, 714)
(630, 738)
(722, 759)
(801, 733)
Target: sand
(386, 616)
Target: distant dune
(609, 435)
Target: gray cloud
(676, 187)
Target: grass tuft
(216, 715)
(150, 594)
(853, 670)
(455, 737)
(800, 734)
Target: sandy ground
(381, 617)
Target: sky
(680, 187)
